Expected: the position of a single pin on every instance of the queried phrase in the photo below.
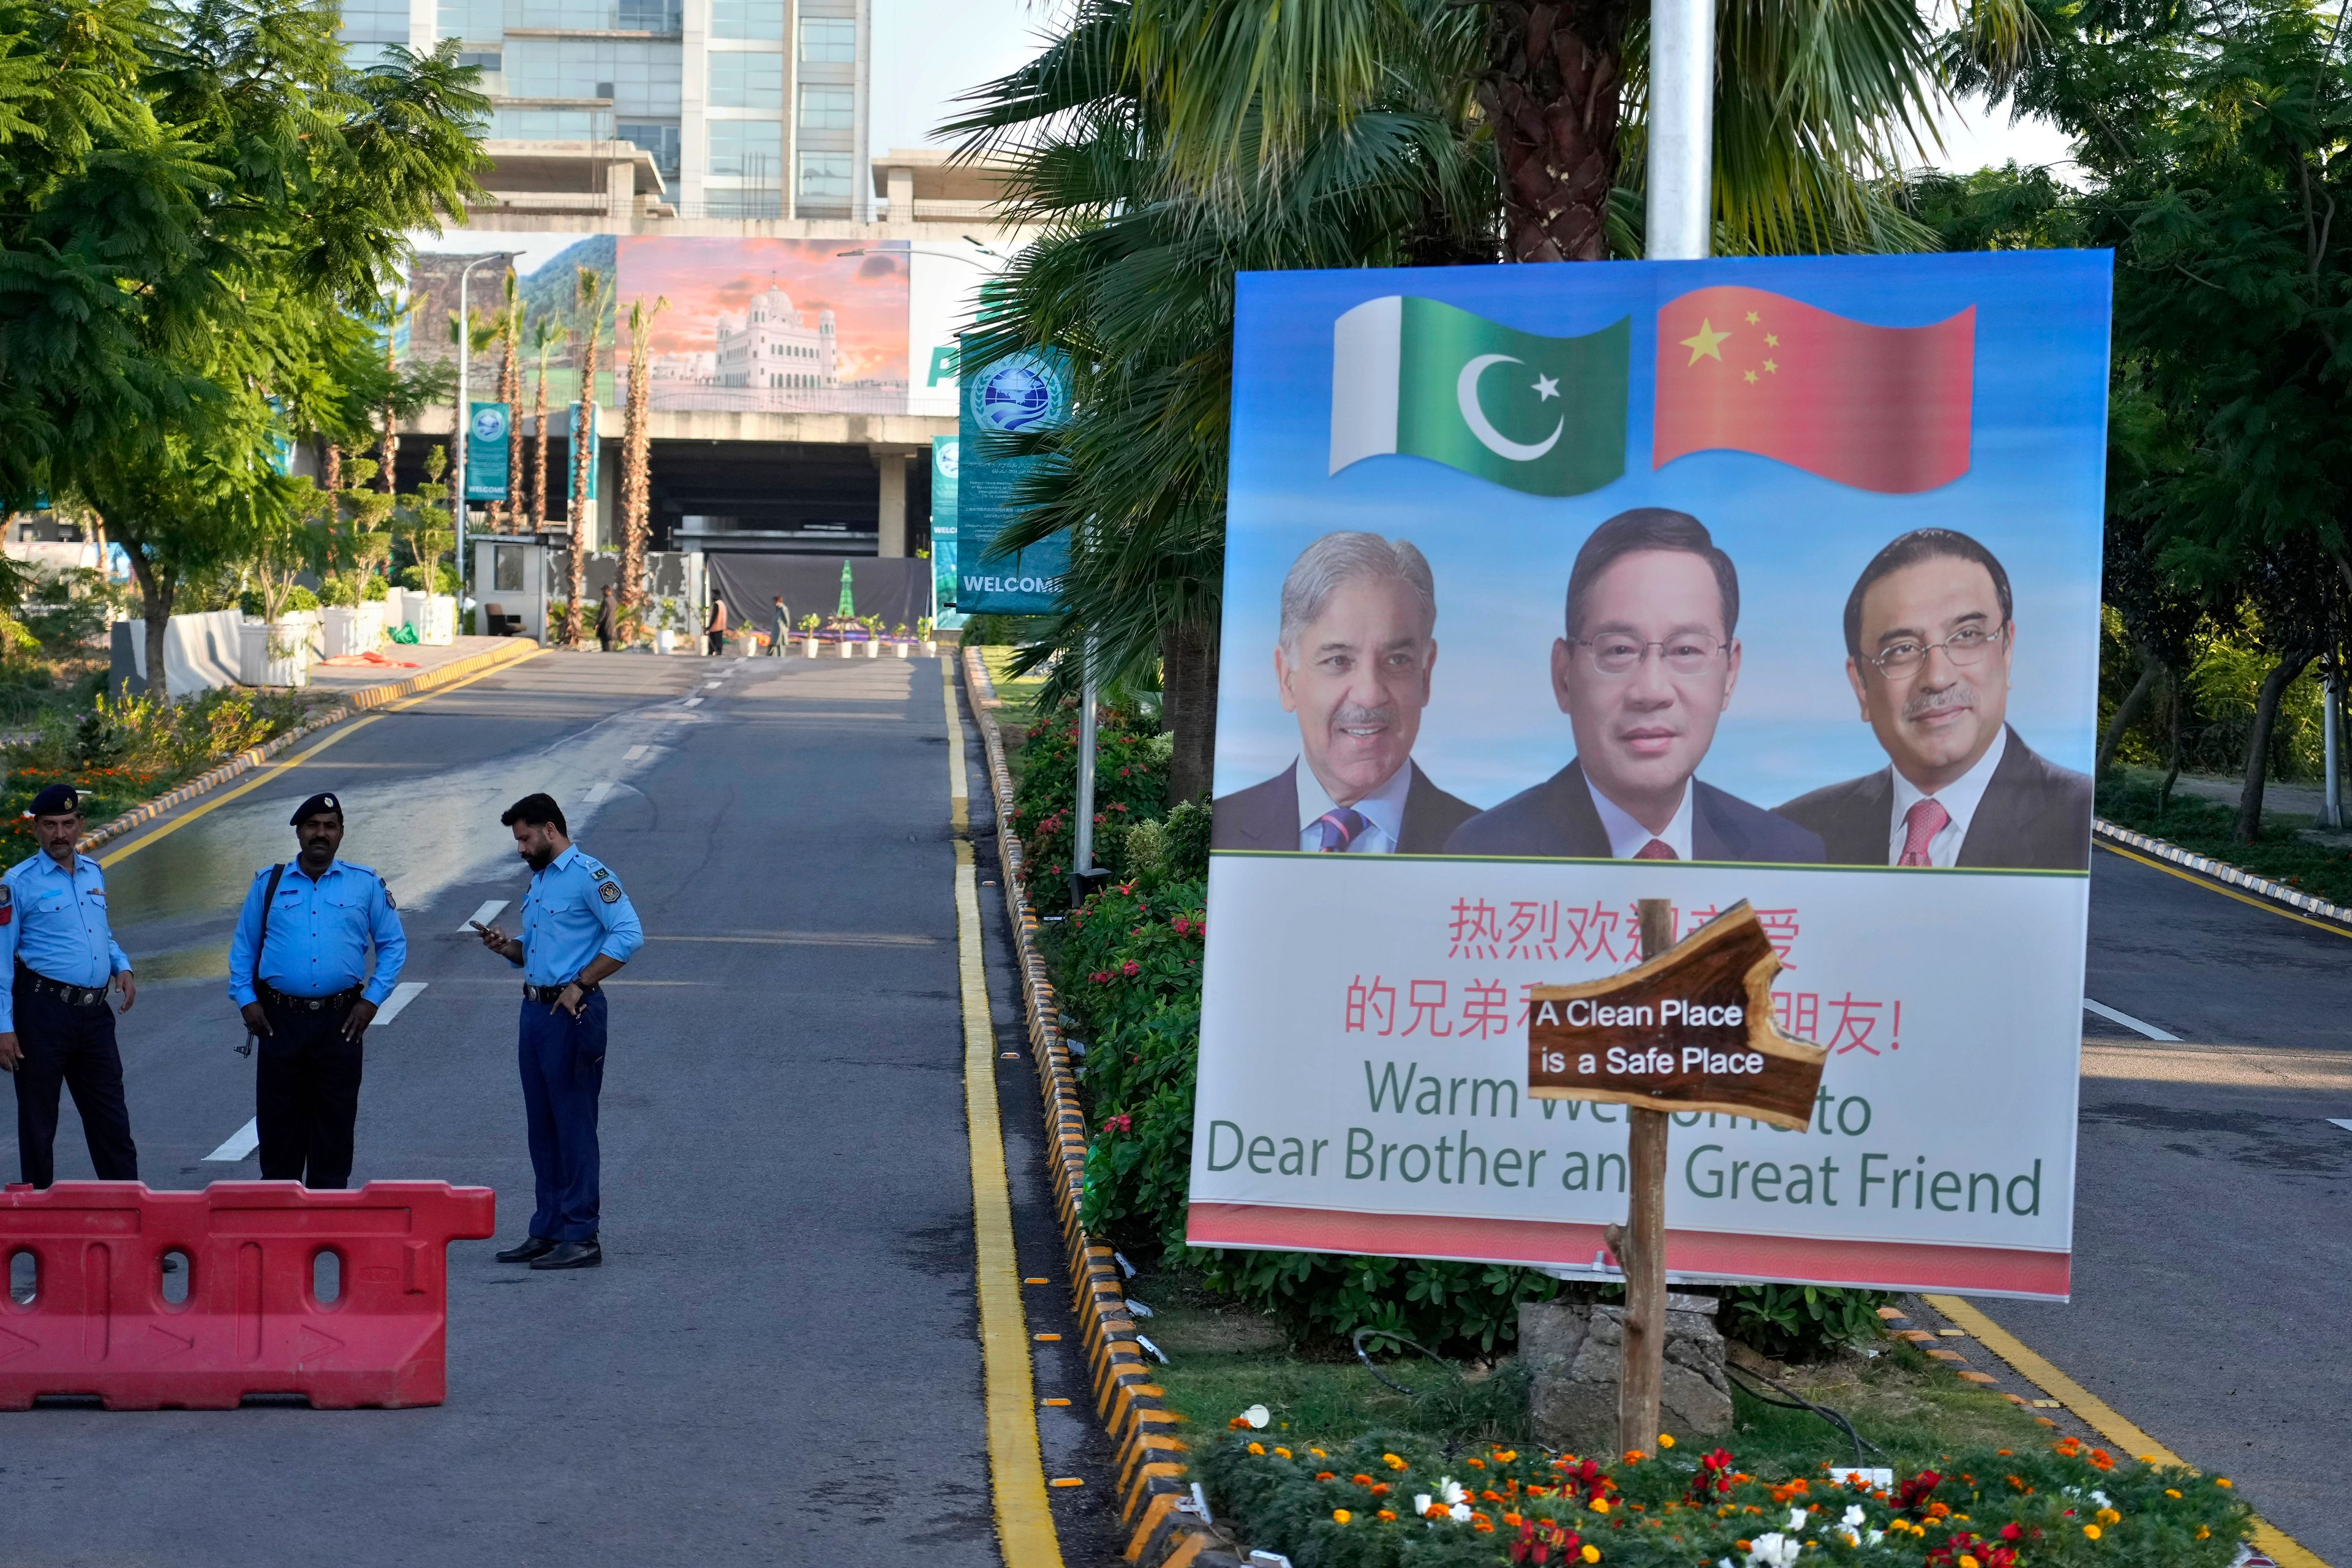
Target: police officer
(55, 1027)
(578, 929)
(298, 970)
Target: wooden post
(1640, 1244)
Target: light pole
(465, 419)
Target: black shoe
(572, 1255)
(534, 1246)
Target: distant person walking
(782, 632)
(298, 970)
(55, 1030)
(578, 929)
(716, 627)
(607, 622)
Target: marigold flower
(1475, 1464)
(1379, 1488)
(1513, 1520)
(2203, 1533)
(2091, 1531)
(1340, 1516)
(1257, 1448)
(1634, 1456)
(1361, 1480)
(1392, 1462)
(2101, 1460)
(1387, 1514)
(2173, 1491)
(1666, 1440)
(1592, 1553)
(2108, 1516)
(2221, 1481)
(1283, 1452)
(1601, 1505)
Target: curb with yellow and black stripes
(1154, 1497)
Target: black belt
(339, 1002)
(39, 985)
(553, 993)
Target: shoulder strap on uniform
(267, 897)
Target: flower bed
(1383, 1501)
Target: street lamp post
(464, 419)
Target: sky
(929, 52)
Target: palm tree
(636, 445)
(593, 297)
(502, 514)
(546, 335)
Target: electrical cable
(1360, 1335)
(1798, 1401)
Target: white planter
(345, 627)
(930, 648)
(271, 655)
(848, 650)
(665, 640)
(809, 646)
(873, 648)
(434, 617)
(371, 624)
(900, 648)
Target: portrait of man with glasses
(1644, 673)
(1929, 637)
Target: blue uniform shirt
(574, 910)
(319, 934)
(55, 919)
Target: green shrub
(1130, 785)
(375, 590)
(298, 599)
(339, 593)
(1800, 1322)
(2066, 1507)
(444, 579)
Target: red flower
(1130, 969)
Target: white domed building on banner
(770, 346)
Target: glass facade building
(751, 109)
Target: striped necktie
(1341, 825)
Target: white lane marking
(602, 788)
(2137, 1025)
(237, 1144)
(2343, 1121)
(634, 753)
(485, 914)
(692, 702)
(404, 993)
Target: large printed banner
(1015, 396)
(1551, 588)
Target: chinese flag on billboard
(1880, 408)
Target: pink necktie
(1656, 849)
(1926, 819)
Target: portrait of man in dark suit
(1644, 673)
(1354, 659)
(1930, 635)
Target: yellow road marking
(264, 775)
(2193, 879)
(1024, 1520)
(2101, 1417)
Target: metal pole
(1082, 855)
(2331, 809)
(1681, 129)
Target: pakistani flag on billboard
(1420, 378)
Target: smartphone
(480, 927)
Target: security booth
(511, 585)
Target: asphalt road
(778, 1362)
(2211, 1252)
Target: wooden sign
(1691, 1029)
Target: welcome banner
(1553, 588)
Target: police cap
(58, 800)
(314, 807)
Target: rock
(1573, 1351)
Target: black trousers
(71, 1047)
(307, 1096)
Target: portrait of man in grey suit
(1355, 660)
(1930, 635)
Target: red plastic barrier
(98, 1322)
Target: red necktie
(1926, 819)
(1656, 849)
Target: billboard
(1014, 395)
(944, 468)
(1769, 579)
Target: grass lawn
(1224, 1359)
(2206, 826)
(1019, 695)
